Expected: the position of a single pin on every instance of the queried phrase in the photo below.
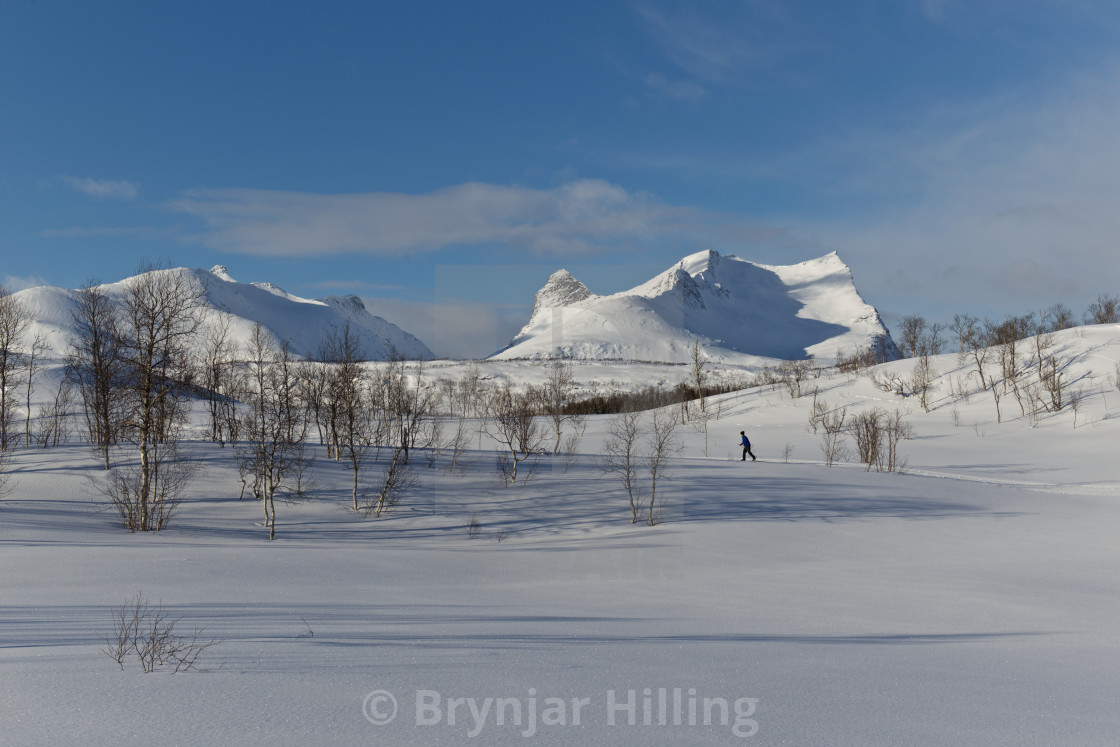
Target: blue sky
(441, 159)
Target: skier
(746, 444)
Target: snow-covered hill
(738, 310)
(301, 322)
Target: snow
(972, 599)
(739, 311)
(301, 322)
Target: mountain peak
(221, 273)
(351, 303)
(561, 289)
(740, 311)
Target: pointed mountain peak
(561, 289)
(222, 273)
(350, 303)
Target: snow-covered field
(973, 599)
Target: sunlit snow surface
(974, 599)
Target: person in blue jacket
(746, 444)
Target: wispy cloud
(92, 232)
(579, 217)
(17, 283)
(659, 88)
(1014, 199)
(102, 189)
(714, 42)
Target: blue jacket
(746, 442)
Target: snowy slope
(738, 310)
(972, 600)
(301, 322)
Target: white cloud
(715, 42)
(16, 283)
(661, 89)
(1019, 195)
(88, 232)
(579, 217)
(102, 189)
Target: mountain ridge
(300, 322)
(739, 311)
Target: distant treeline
(648, 398)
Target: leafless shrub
(832, 440)
(919, 338)
(921, 380)
(877, 433)
(867, 431)
(621, 457)
(474, 526)
(795, 373)
(895, 429)
(1076, 398)
(166, 485)
(1105, 310)
(512, 424)
(53, 422)
(817, 412)
(787, 452)
(436, 445)
(858, 362)
(1051, 377)
(148, 632)
(396, 480)
(889, 381)
(5, 475)
(569, 450)
(1058, 317)
(458, 444)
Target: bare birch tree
(555, 396)
(348, 389)
(661, 445)
(216, 377)
(34, 361)
(95, 363)
(621, 457)
(273, 426)
(14, 322)
(160, 313)
(513, 424)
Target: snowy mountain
(301, 322)
(738, 311)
